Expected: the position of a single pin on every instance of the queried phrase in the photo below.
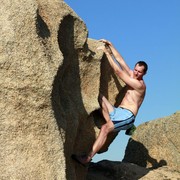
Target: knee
(107, 128)
(104, 130)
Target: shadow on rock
(114, 170)
(138, 154)
(133, 167)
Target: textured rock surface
(111, 170)
(156, 143)
(162, 173)
(51, 75)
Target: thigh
(108, 105)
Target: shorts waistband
(128, 110)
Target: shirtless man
(122, 117)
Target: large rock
(156, 143)
(51, 75)
(113, 170)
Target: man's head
(140, 69)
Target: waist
(129, 110)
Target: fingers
(108, 49)
(105, 41)
(102, 40)
(105, 49)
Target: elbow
(120, 74)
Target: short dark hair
(143, 63)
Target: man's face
(138, 72)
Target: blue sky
(141, 30)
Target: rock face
(156, 143)
(111, 170)
(51, 75)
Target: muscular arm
(121, 72)
(117, 56)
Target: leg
(106, 107)
(101, 139)
(105, 130)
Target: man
(122, 117)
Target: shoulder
(143, 83)
(139, 85)
(142, 86)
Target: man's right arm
(123, 75)
(117, 56)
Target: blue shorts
(123, 119)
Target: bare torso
(133, 99)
